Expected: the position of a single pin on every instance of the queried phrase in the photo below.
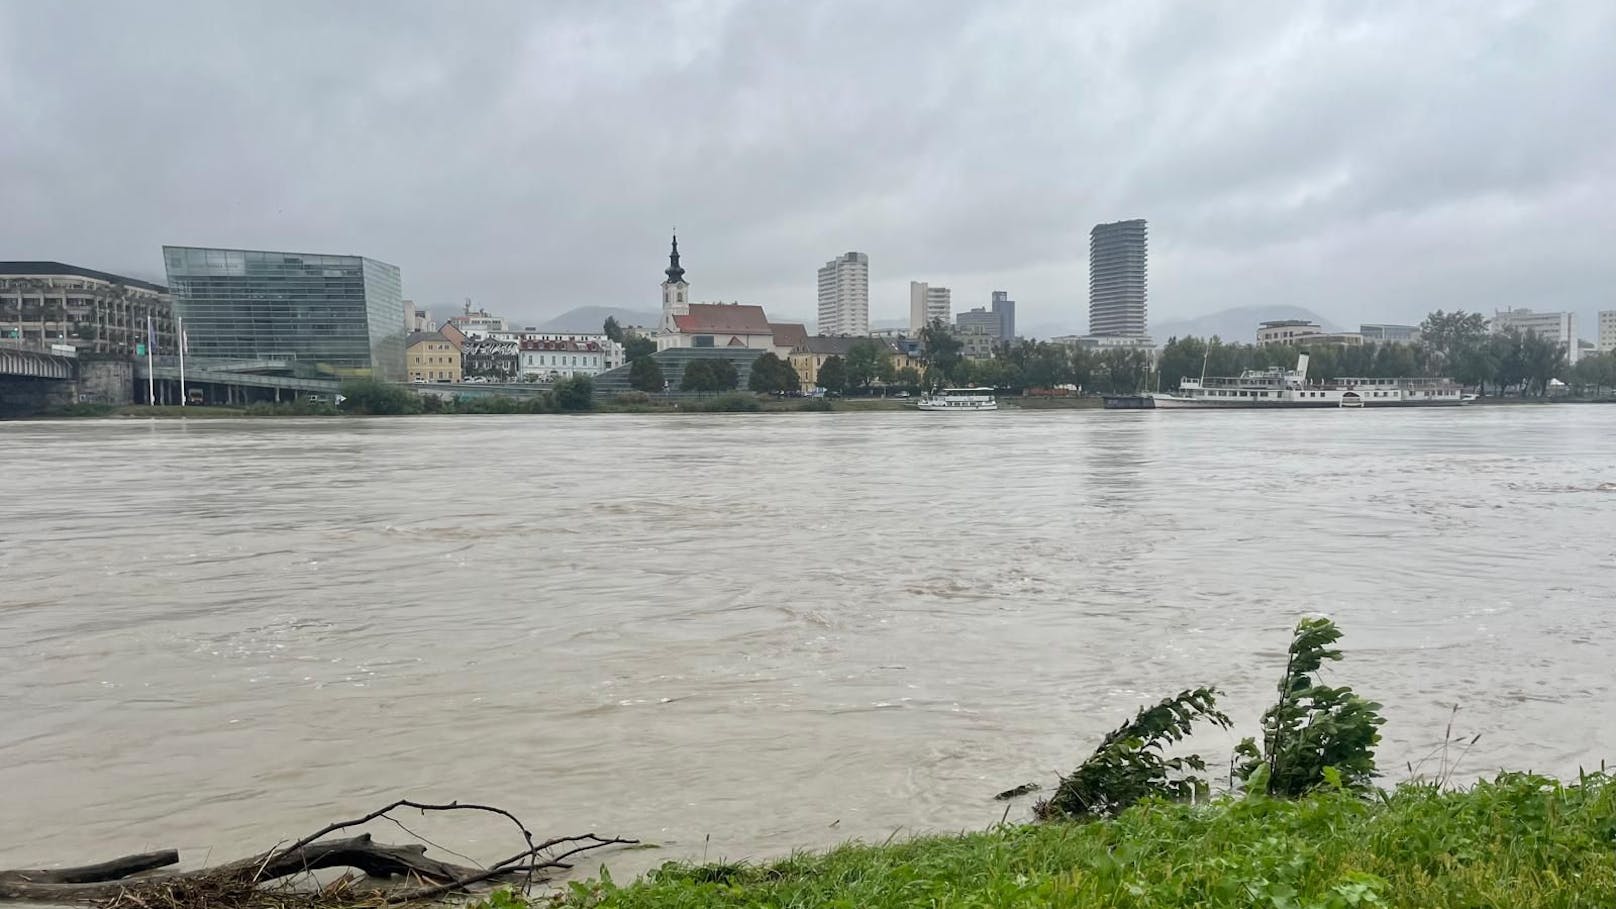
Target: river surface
(739, 635)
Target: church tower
(675, 291)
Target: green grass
(1520, 841)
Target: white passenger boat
(959, 400)
(1276, 387)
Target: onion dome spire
(676, 274)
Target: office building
(1005, 308)
(49, 303)
(928, 304)
(978, 339)
(478, 322)
(1607, 330)
(844, 296)
(1559, 327)
(1118, 266)
(416, 318)
(1390, 334)
(311, 314)
(1305, 332)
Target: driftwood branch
(128, 881)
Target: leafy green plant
(574, 394)
(373, 396)
(1130, 766)
(1315, 735)
(645, 375)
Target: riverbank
(731, 403)
(1520, 841)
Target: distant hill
(1233, 325)
(591, 318)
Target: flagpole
(151, 381)
(179, 328)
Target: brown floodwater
(739, 635)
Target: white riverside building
(1607, 330)
(544, 359)
(844, 296)
(929, 304)
(1559, 327)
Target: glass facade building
(324, 315)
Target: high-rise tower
(1118, 266)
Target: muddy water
(738, 635)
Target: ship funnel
(1301, 365)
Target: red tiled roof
(715, 318)
(789, 334)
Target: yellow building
(812, 352)
(431, 357)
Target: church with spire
(728, 325)
(675, 291)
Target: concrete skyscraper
(928, 304)
(844, 296)
(1118, 267)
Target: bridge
(37, 359)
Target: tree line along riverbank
(569, 396)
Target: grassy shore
(1519, 841)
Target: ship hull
(1171, 402)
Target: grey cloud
(1366, 160)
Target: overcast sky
(1366, 160)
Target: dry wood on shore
(380, 874)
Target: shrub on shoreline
(1493, 844)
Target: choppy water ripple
(777, 631)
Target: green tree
(1123, 371)
(887, 372)
(907, 377)
(772, 375)
(725, 376)
(574, 394)
(1393, 361)
(863, 361)
(373, 396)
(1449, 336)
(832, 375)
(1542, 359)
(1475, 365)
(637, 346)
(943, 352)
(612, 330)
(645, 374)
(1593, 374)
(1181, 359)
(698, 377)
(1506, 351)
